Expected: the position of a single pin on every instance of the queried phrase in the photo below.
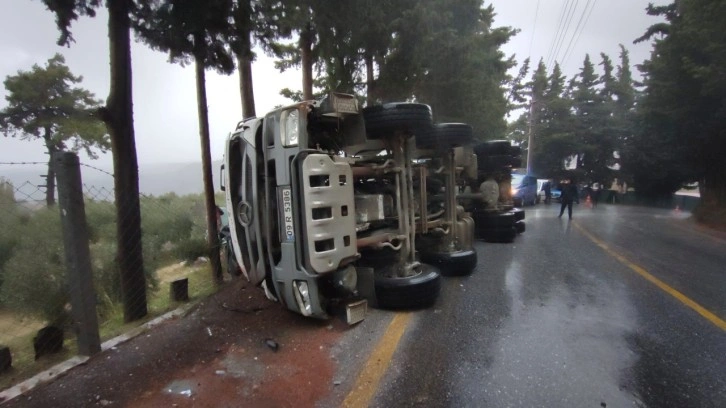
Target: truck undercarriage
(332, 205)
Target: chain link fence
(61, 286)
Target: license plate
(288, 230)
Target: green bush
(35, 281)
(10, 224)
(191, 249)
(32, 258)
(101, 220)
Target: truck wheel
(520, 226)
(446, 135)
(515, 161)
(493, 147)
(411, 292)
(518, 214)
(377, 258)
(502, 235)
(493, 162)
(384, 120)
(483, 219)
(459, 263)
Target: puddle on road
(185, 388)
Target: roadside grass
(24, 363)
(159, 301)
(713, 217)
(201, 285)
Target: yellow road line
(711, 317)
(367, 383)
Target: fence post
(78, 256)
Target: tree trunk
(119, 119)
(50, 176)
(246, 89)
(244, 62)
(212, 232)
(530, 135)
(306, 57)
(713, 198)
(370, 82)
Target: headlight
(514, 191)
(302, 297)
(346, 279)
(291, 128)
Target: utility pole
(530, 140)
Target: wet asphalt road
(554, 320)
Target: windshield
(517, 179)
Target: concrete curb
(62, 368)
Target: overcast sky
(164, 94)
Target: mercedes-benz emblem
(244, 213)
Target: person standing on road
(569, 194)
(595, 193)
(613, 192)
(548, 191)
(623, 190)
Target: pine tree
(45, 103)
(682, 137)
(198, 31)
(536, 88)
(591, 116)
(556, 140)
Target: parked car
(554, 191)
(524, 189)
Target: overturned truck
(329, 204)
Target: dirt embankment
(216, 356)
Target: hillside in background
(154, 178)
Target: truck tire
(518, 214)
(493, 147)
(515, 161)
(446, 136)
(377, 258)
(412, 292)
(499, 235)
(459, 263)
(384, 120)
(493, 162)
(486, 220)
(520, 226)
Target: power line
(534, 27)
(558, 47)
(561, 32)
(570, 47)
(557, 32)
